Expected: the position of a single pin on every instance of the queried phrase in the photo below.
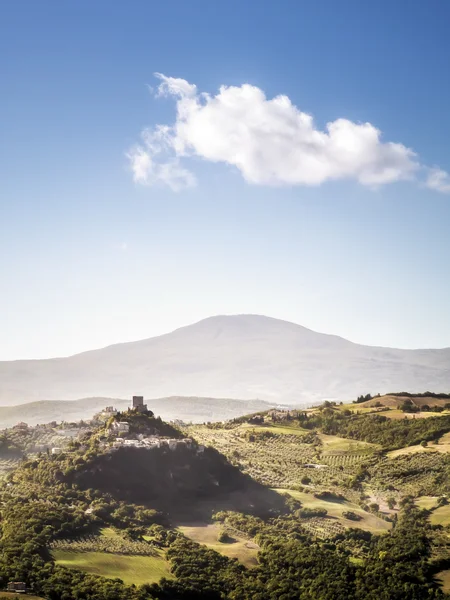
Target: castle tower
(138, 404)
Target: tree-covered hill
(65, 503)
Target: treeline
(42, 501)
(295, 567)
(438, 396)
(391, 434)
(9, 448)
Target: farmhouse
(17, 586)
(56, 450)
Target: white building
(120, 427)
(57, 450)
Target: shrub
(349, 514)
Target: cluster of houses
(122, 429)
(152, 441)
(117, 432)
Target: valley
(340, 490)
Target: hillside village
(55, 439)
(119, 435)
(341, 479)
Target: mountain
(241, 356)
(197, 410)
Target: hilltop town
(116, 431)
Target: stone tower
(138, 404)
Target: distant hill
(397, 400)
(197, 410)
(242, 356)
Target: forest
(327, 538)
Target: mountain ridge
(232, 356)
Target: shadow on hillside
(183, 483)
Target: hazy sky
(290, 159)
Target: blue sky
(93, 254)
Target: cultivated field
(16, 595)
(238, 547)
(399, 414)
(441, 516)
(368, 522)
(286, 457)
(112, 555)
(427, 502)
(332, 444)
(131, 569)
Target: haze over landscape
(175, 183)
(224, 300)
(241, 357)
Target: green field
(427, 502)
(368, 522)
(131, 569)
(16, 595)
(444, 579)
(206, 533)
(396, 413)
(332, 444)
(441, 516)
(276, 428)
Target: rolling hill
(197, 410)
(241, 356)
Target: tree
(391, 502)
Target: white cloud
(149, 169)
(439, 180)
(270, 141)
(173, 86)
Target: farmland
(286, 457)
(112, 555)
(235, 546)
(15, 595)
(444, 578)
(441, 516)
(131, 569)
(335, 510)
(332, 495)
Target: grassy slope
(399, 414)
(439, 515)
(204, 533)
(393, 413)
(442, 445)
(444, 578)
(427, 502)
(332, 444)
(368, 522)
(396, 401)
(15, 595)
(131, 569)
(275, 428)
